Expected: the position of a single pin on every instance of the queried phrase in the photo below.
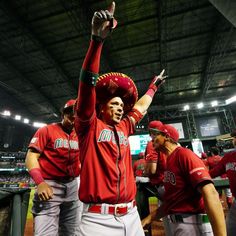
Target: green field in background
(29, 214)
(152, 200)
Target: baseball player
(107, 181)
(211, 162)
(53, 163)
(228, 165)
(156, 165)
(188, 187)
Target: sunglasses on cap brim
(155, 131)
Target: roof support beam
(216, 54)
(226, 8)
(81, 16)
(20, 94)
(26, 29)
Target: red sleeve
(161, 167)
(150, 154)
(193, 167)
(161, 164)
(85, 108)
(39, 140)
(218, 170)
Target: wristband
(36, 175)
(97, 38)
(136, 114)
(151, 92)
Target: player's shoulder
(231, 154)
(186, 153)
(183, 150)
(52, 125)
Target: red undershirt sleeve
(85, 108)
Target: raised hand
(157, 81)
(103, 22)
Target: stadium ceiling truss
(43, 43)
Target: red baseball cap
(169, 130)
(69, 104)
(116, 84)
(172, 132)
(156, 125)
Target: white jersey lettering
(230, 166)
(63, 143)
(107, 135)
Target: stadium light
(214, 103)
(186, 107)
(17, 117)
(200, 105)
(6, 113)
(230, 100)
(26, 121)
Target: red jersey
(205, 162)
(213, 161)
(139, 167)
(106, 164)
(185, 171)
(59, 152)
(159, 158)
(227, 165)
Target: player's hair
(215, 150)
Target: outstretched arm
(102, 23)
(145, 101)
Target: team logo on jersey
(169, 177)
(230, 166)
(64, 143)
(107, 135)
(34, 140)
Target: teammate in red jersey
(188, 187)
(211, 162)
(53, 163)
(107, 181)
(228, 165)
(156, 163)
(214, 158)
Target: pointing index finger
(112, 7)
(163, 71)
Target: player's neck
(66, 129)
(170, 148)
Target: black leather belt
(64, 180)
